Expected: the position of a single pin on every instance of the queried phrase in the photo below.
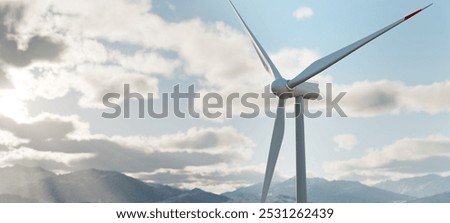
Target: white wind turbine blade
(263, 56)
(325, 62)
(275, 145)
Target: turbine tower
(299, 89)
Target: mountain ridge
(319, 191)
(87, 186)
(22, 184)
(423, 186)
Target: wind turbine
(300, 89)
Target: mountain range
(319, 191)
(21, 184)
(30, 184)
(420, 187)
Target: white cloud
(12, 105)
(99, 58)
(218, 178)
(8, 139)
(345, 142)
(95, 81)
(97, 41)
(27, 155)
(432, 98)
(291, 62)
(303, 13)
(225, 141)
(86, 65)
(384, 97)
(146, 62)
(200, 157)
(371, 98)
(404, 158)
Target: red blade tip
(416, 12)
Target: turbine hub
(307, 90)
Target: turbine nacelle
(307, 90)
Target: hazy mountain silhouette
(11, 198)
(27, 184)
(319, 191)
(21, 183)
(439, 198)
(33, 184)
(424, 186)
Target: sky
(58, 59)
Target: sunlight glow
(12, 106)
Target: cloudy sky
(59, 58)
